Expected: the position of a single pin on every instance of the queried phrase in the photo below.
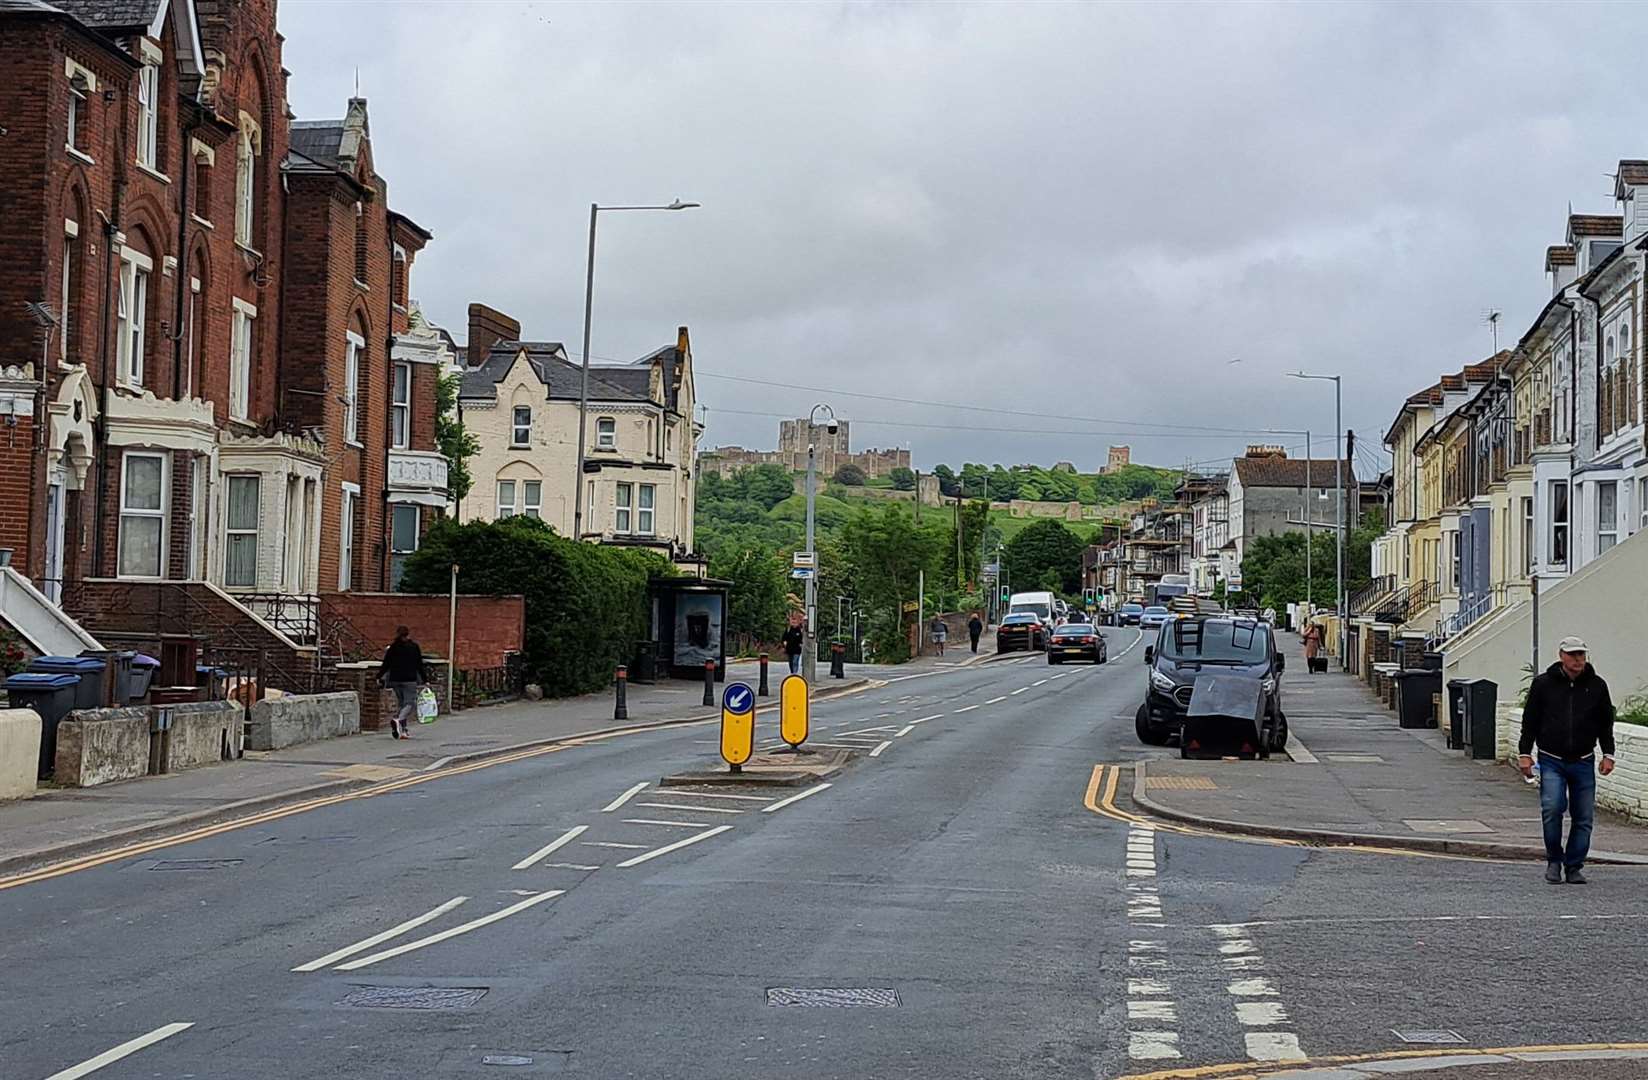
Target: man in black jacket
(1568, 714)
(402, 672)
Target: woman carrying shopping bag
(402, 672)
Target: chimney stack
(487, 327)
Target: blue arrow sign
(737, 699)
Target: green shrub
(586, 605)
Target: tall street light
(1339, 503)
(809, 651)
(583, 393)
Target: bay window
(1559, 523)
(506, 499)
(400, 406)
(646, 495)
(624, 506)
(1607, 515)
(240, 532)
(142, 515)
(532, 498)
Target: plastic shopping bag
(428, 707)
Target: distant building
(1120, 457)
(830, 452)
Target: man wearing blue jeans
(1568, 713)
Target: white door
(52, 576)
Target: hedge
(586, 605)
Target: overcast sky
(1079, 211)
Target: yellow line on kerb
(1243, 1070)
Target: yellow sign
(794, 710)
(737, 724)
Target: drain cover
(413, 997)
(1429, 1038)
(195, 864)
(832, 997)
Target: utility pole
(809, 619)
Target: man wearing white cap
(1568, 714)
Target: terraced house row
(218, 403)
(1519, 485)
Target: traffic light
(1004, 594)
(1088, 597)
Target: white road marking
(996, 700)
(624, 798)
(924, 719)
(797, 797)
(1060, 675)
(712, 795)
(884, 745)
(1236, 948)
(1252, 988)
(1152, 1045)
(677, 824)
(1146, 988)
(463, 928)
(1260, 1013)
(379, 938)
(694, 809)
(903, 731)
(1273, 1046)
(677, 846)
(1152, 1010)
(1039, 682)
(613, 844)
(550, 848)
(1020, 690)
(1134, 871)
(569, 866)
(966, 708)
(125, 1049)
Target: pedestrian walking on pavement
(975, 629)
(793, 641)
(1313, 641)
(938, 632)
(402, 672)
(1568, 714)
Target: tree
(1046, 551)
(903, 479)
(757, 602)
(850, 474)
(886, 553)
(975, 481)
(1273, 570)
(768, 485)
(949, 485)
(455, 444)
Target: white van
(1041, 603)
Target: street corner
(781, 767)
(1588, 1061)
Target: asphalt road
(956, 887)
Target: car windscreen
(1216, 642)
(1132, 607)
(1020, 618)
(1155, 611)
(1039, 610)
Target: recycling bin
(143, 671)
(90, 694)
(1431, 660)
(1479, 698)
(213, 679)
(117, 681)
(1414, 689)
(50, 695)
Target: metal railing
(1365, 599)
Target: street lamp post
(583, 391)
(1339, 502)
(809, 650)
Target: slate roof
(317, 140)
(107, 14)
(561, 376)
(1288, 472)
(29, 7)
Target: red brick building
(210, 373)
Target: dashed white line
(570, 866)
(612, 844)
(677, 824)
(624, 798)
(694, 809)
(550, 848)
(884, 745)
(1060, 675)
(924, 719)
(379, 938)
(797, 797)
(463, 928)
(125, 1049)
(1020, 690)
(966, 708)
(903, 731)
(678, 845)
(996, 700)
(1039, 682)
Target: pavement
(1355, 777)
(974, 897)
(63, 821)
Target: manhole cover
(832, 997)
(1428, 1038)
(195, 864)
(413, 997)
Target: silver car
(1153, 617)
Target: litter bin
(119, 678)
(1479, 698)
(645, 668)
(143, 671)
(52, 696)
(90, 693)
(1414, 688)
(1432, 661)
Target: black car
(1021, 630)
(1129, 614)
(1076, 641)
(1188, 648)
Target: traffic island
(780, 768)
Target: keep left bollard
(620, 682)
(709, 682)
(762, 688)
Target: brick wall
(488, 626)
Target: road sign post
(737, 725)
(794, 710)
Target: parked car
(1129, 614)
(1021, 630)
(1188, 648)
(1153, 617)
(1076, 641)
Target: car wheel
(1051, 659)
(1148, 733)
(1279, 737)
